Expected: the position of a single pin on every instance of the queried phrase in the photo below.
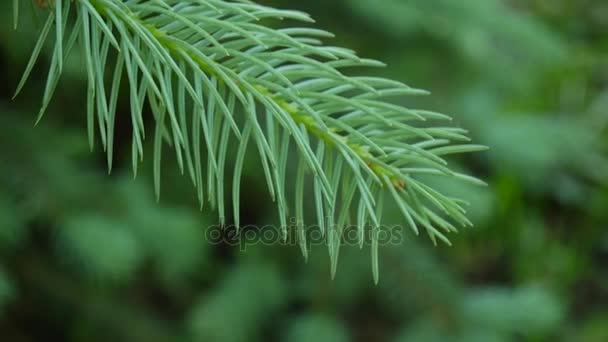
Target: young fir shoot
(213, 75)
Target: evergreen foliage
(196, 63)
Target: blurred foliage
(92, 257)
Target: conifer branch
(212, 73)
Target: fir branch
(196, 63)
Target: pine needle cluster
(212, 74)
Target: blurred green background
(87, 256)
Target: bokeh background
(87, 256)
